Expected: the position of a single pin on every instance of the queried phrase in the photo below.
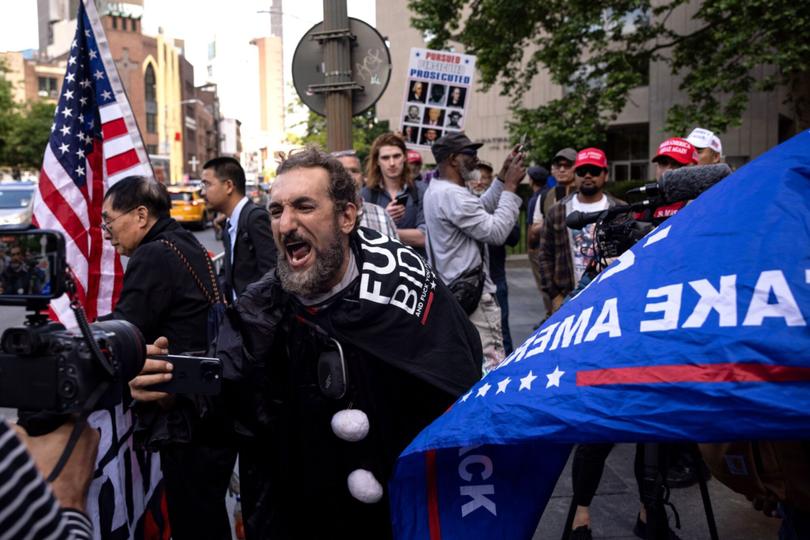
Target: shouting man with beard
(462, 224)
(566, 253)
(348, 320)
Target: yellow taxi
(188, 205)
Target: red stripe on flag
(691, 373)
(63, 212)
(94, 162)
(114, 128)
(432, 496)
(122, 162)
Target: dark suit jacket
(254, 251)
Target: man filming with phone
(168, 288)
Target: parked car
(189, 206)
(16, 203)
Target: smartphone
(191, 375)
(522, 144)
(402, 199)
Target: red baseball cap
(591, 156)
(678, 149)
(414, 156)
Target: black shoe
(640, 530)
(681, 475)
(581, 533)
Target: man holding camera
(168, 288)
(565, 253)
(461, 223)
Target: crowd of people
(358, 289)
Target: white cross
(193, 162)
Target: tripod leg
(704, 493)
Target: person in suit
(249, 248)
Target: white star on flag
(87, 33)
(68, 94)
(98, 75)
(64, 148)
(80, 170)
(80, 153)
(70, 77)
(74, 44)
(72, 60)
(106, 95)
(83, 101)
(84, 83)
(65, 131)
(67, 112)
(554, 377)
(92, 54)
(483, 390)
(526, 382)
(465, 396)
(502, 385)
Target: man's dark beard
(318, 278)
(589, 190)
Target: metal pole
(337, 66)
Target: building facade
(632, 138)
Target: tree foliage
(24, 128)
(598, 51)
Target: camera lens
(127, 345)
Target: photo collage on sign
(431, 110)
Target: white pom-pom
(350, 425)
(364, 487)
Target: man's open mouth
(298, 252)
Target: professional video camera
(45, 368)
(616, 228)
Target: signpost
(340, 67)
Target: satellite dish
(371, 67)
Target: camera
(616, 229)
(44, 367)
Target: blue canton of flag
(698, 333)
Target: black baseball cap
(568, 154)
(452, 143)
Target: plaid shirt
(555, 261)
(375, 217)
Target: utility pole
(338, 84)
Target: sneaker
(640, 530)
(581, 533)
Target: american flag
(94, 143)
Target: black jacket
(254, 251)
(405, 367)
(162, 299)
(158, 295)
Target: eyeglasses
(584, 170)
(105, 225)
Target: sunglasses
(584, 170)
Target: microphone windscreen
(689, 182)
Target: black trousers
(196, 479)
(588, 466)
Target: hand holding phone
(190, 375)
(402, 199)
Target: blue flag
(697, 333)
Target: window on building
(114, 22)
(47, 87)
(133, 24)
(212, 50)
(626, 149)
(151, 148)
(150, 92)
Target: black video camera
(44, 367)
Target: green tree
(30, 134)
(599, 51)
(8, 112)
(365, 128)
